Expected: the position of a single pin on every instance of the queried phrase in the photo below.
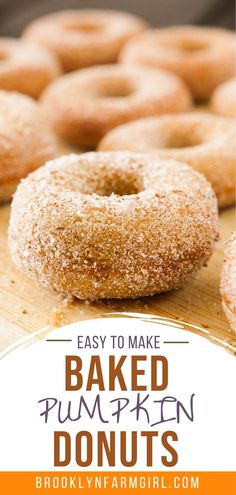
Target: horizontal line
(175, 342)
(58, 340)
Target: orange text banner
(92, 483)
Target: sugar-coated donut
(203, 56)
(223, 100)
(204, 141)
(112, 225)
(83, 106)
(81, 38)
(26, 141)
(26, 68)
(228, 281)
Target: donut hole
(191, 45)
(117, 184)
(115, 88)
(118, 92)
(118, 188)
(188, 45)
(104, 180)
(85, 27)
(183, 141)
(180, 138)
(123, 187)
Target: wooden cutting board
(26, 307)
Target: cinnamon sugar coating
(112, 225)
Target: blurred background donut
(26, 140)
(204, 141)
(26, 68)
(203, 57)
(85, 37)
(223, 99)
(107, 96)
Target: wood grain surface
(26, 307)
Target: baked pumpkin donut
(223, 100)
(204, 141)
(26, 141)
(83, 106)
(26, 68)
(203, 57)
(112, 225)
(228, 281)
(81, 38)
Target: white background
(37, 371)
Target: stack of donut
(139, 215)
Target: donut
(203, 57)
(112, 225)
(228, 281)
(204, 141)
(81, 38)
(26, 141)
(223, 100)
(26, 68)
(107, 96)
